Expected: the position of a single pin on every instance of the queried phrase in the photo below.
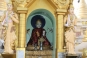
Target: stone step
(39, 53)
(38, 56)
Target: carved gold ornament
(62, 4)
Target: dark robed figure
(38, 33)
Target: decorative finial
(70, 6)
(10, 2)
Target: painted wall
(41, 4)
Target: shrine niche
(40, 34)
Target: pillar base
(20, 53)
(60, 53)
(8, 55)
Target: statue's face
(71, 10)
(38, 24)
(9, 7)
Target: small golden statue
(8, 19)
(70, 21)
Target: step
(39, 53)
(38, 56)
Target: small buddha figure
(70, 21)
(38, 34)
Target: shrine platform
(37, 54)
(45, 53)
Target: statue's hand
(43, 33)
(37, 33)
(10, 15)
(72, 25)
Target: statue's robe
(34, 38)
(9, 45)
(70, 34)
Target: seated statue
(38, 36)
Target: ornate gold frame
(57, 7)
